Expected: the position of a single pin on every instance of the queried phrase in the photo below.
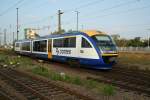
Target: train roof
(92, 32)
(26, 40)
(86, 32)
(62, 35)
(83, 32)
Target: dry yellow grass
(140, 60)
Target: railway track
(35, 89)
(128, 79)
(5, 96)
(131, 80)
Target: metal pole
(13, 39)
(59, 20)
(5, 36)
(77, 19)
(13, 36)
(148, 45)
(82, 27)
(10, 39)
(0, 40)
(148, 40)
(0, 37)
(17, 24)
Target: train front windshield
(105, 43)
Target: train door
(87, 50)
(50, 49)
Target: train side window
(85, 43)
(34, 46)
(72, 42)
(17, 44)
(43, 46)
(26, 46)
(58, 43)
(66, 42)
(40, 46)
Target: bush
(109, 90)
(77, 81)
(41, 71)
(55, 76)
(91, 84)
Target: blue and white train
(94, 49)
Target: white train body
(80, 47)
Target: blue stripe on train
(41, 56)
(90, 63)
(37, 55)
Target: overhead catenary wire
(38, 21)
(109, 8)
(112, 7)
(116, 13)
(83, 6)
(11, 7)
(65, 11)
(121, 12)
(33, 6)
(86, 5)
(105, 9)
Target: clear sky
(128, 18)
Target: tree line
(135, 42)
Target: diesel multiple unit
(94, 49)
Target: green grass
(56, 76)
(108, 90)
(77, 80)
(90, 84)
(6, 58)
(41, 71)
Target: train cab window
(85, 43)
(40, 46)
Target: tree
(115, 37)
(136, 42)
(122, 42)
